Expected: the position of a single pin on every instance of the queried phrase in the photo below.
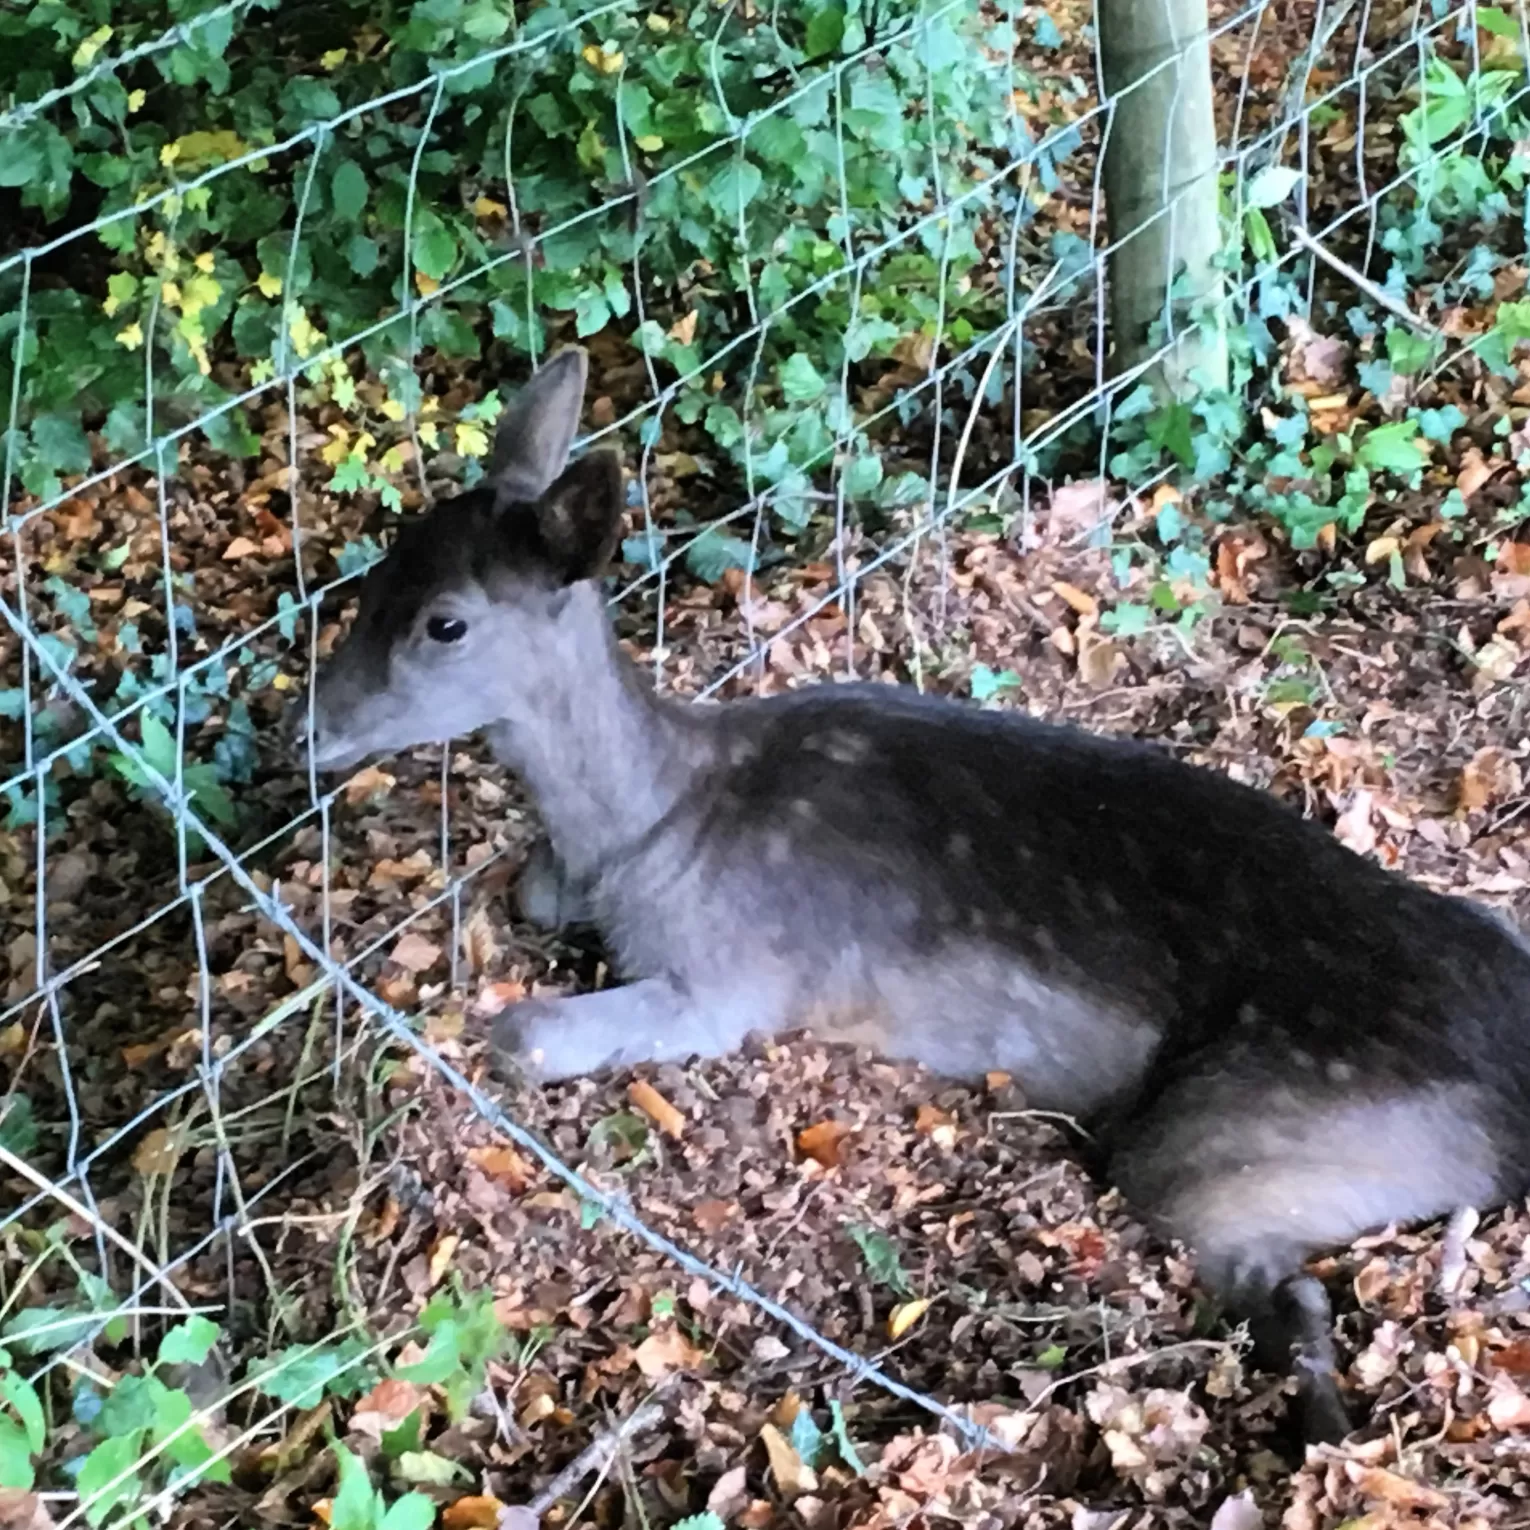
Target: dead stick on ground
(595, 1456)
(1364, 283)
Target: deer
(1274, 1043)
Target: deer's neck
(603, 757)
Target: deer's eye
(446, 629)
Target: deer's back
(923, 835)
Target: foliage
(258, 213)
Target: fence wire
(969, 369)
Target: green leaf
(1499, 23)
(712, 553)
(985, 684)
(707, 1521)
(60, 441)
(158, 745)
(362, 254)
(883, 1263)
(825, 31)
(414, 1511)
(842, 1442)
(435, 250)
(733, 188)
(1271, 186)
(800, 380)
(22, 1396)
(40, 1330)
(188, 1343)
(1408, 351)
(99, 1486)
(1261, 242)
(357, 1505)
(442, 1357)
(427, 1467)
(15, 1456)
(405, 1438)
(302, 1375)
(348, 190)
(807, 1438)
(1392, 448)
(863, 477)
(1169, 427)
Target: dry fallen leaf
(729, 1494)
(368, 783)
(666, 1351)
(475, 1513)
(157, 1153)
(240, 547)
(665, 1116)
(503, 1165)
(905, 1315)
(23, 1511)
(792, 1477)
(441, 1257)
(1239, 1512)
(821, 1142)
(937, 1125)
(415, 954)
(1491, 775)
(478, 943)
(1081, 600)
(1390, 1487)
(713, 1216)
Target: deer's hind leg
(1257, 1173)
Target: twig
(1365, 284)
(596, 1456)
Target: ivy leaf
(800, 380)
(435, 249)
(188, 1343)
(1271, 186)
(1392, 448)
(107, 1479)
(825, 31)
(348, 190)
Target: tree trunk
(1161, 194)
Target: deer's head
(459, 625)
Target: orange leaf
(821, 1142)
(503, 1164)
(666, 1351)
(478, 1513)
(441, 1256)
(370, 782)
(665, 1116)
(1081, 601)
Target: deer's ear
(579, 519)
(537, 428)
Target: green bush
(277, 181)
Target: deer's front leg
(546, 896)
(653, 1020)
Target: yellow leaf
(170, 294)
(205, 261)
(472, 438)
(333, 59)
(429, 434)
(336, 450)
(393, 460)
(131, 337)
(199, 293)
(429, 405)
(85, 54)
(441, 1256)
(487, 207)
(649, 143)
(612, 63)
(658, 23)
(306, 336)
(136, 98)
(426, 284)
(203, 149)
(905, 1315)
(592, 56)
(270, 286)
(393, 410)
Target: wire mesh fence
(843, 272)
